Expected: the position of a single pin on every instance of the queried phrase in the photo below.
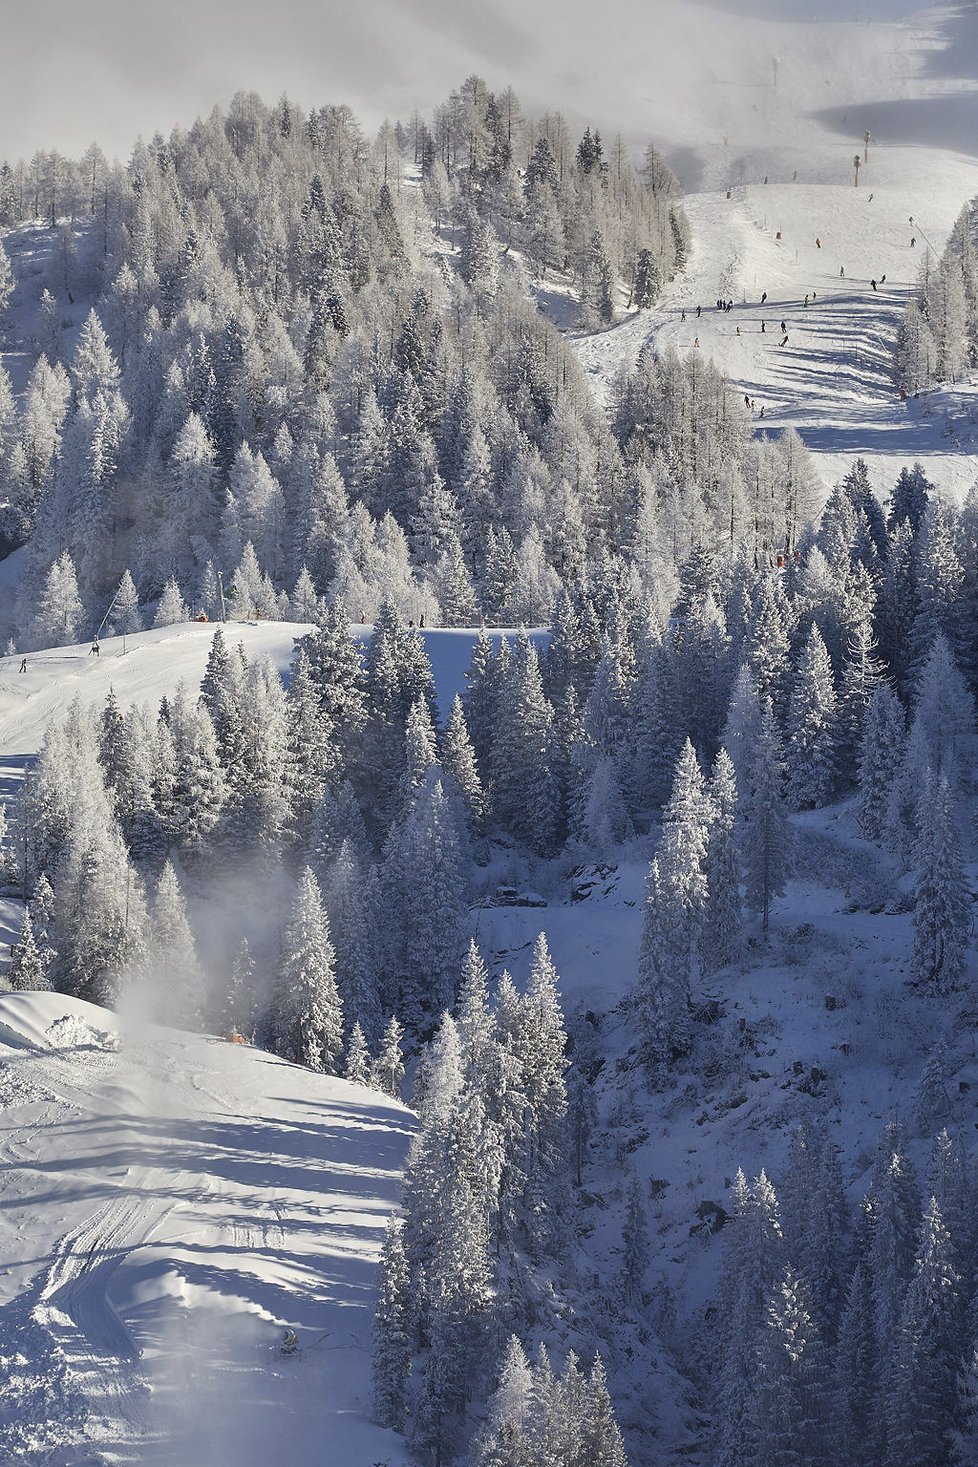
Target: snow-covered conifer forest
(488, 812)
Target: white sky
(74, 70)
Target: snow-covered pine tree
(892, 1216)
(675, 908)
(812, 728)
(424, 877)
(523, 783)
(940, 920)
(790, 1407)
(308, 1019)
(172, 608)
(766, 833)
(198, 792)
(126, 617)
(28, 969)
(241, 1003)
(420, 750)
(854, 1371)
(742, 727)
(723, 921)
(944, 713)
(634, 1243)
(458, 762)
(599, 1435)
(387, 1072)
(881, 754)
(926, 1354)
(99, 925)
(754, 1264)
(354, 942)
(539, 1049)
(506, 1437)
(392, 1330)
(310, 757)
(174, 975)
(60, 614)
(356, 1066)
(861, 674)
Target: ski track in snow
(168, 1203)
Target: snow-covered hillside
(171, 1205)
(790, 238)
(763, 121)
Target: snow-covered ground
(170, 1205)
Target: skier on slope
(873, 284)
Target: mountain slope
(172, 1203)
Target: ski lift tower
(856, 162)
(867, 139)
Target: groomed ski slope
(169, 1204)
(755, 127)
(834, 379)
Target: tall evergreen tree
(812, 728)
(308, 1012)
(392, 1331)
(724, 911)
(940, 921)
(766, 826)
